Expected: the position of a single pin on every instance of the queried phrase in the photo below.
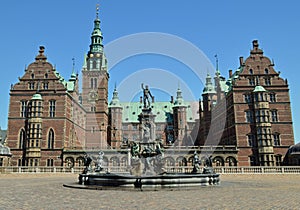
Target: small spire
(73, 67)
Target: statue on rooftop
(146, 96)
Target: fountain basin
(167, 180)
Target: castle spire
(96, 45)
(179, 98)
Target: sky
(226, 28)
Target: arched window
(22, 138)
(266, 71)
(95, 82)
(250, 71)
(92, 82)
(51, 139)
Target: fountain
(147, 167)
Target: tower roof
(179, 99)
(209, 87)
(259, 88)
(37, 96)
(115, 102)
(96, 45)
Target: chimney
(241, 61)
(230, 73)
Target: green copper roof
(70, 85)
(37, 96)
(115, 102)
(209, 87)
(179, 99)
(162, 110)
(259, 88)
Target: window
(278, 159)
(37, 143)
(249, 116)
(23, 108)
(31, 143)
(251, 140)
(266, 71)
(250, 71)
(272, 97)
(276, 139)
(93, 109)
(36, 162)
(257, 115)
(30, 162)
(31, 86)
(22, 138)
(251, 81)
(274, 116)
(39, 109)
(32, 76)
(49, 162)
(268, 81)
(46, 76)
(19, 162)
(51, 139)
(93, 83)
(52, 108)
(38, 131)
(247, 98)
(45, 85)
(31, 133)
(134, 127)
(1, 161)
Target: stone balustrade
(169, 169)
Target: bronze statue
(147, 94)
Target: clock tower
(95, 90)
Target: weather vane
(217, 62)
(97, 9)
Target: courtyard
(242, 191)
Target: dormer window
(266, 71)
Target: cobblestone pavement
(46, 191)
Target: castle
(242, 121)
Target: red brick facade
(245, 120)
